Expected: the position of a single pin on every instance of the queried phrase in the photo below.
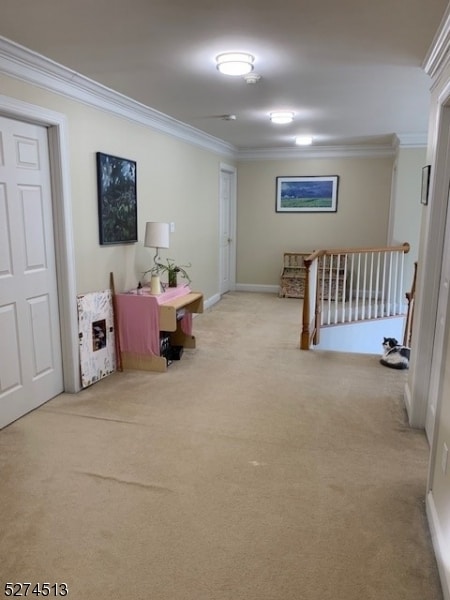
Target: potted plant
(172, 270)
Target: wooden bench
(293, 274)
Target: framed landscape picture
(117, 202)
(307, 194)
(425, 184)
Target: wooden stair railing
(310, 331)
(410, 297)
(351, 284)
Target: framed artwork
(117, 202)
(96, 334)
(307, 194)
(425, 184)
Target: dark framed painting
(425, 184)
(117, 201)
(307, 194)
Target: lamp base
(155, 285)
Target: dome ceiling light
(281, 117)
(235, 63)
(303, 140)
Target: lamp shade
(156, 235)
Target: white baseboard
(407, 400)
(440, 545)
(211, 301)
(253, 287)
(272, 289)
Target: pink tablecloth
(138, 317)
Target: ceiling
(351, 70)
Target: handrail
(405, 247)
(371, 273)
(314, 255)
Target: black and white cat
(395, 355)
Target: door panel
(33, 225)
(40, 318)
(30, 346)
(10, 372)
(5, 242)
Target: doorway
(440, 246)
(227, 226)
(30, 344)
(43, 308)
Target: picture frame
(96, 334)
(307, 194)
(117, 200)
(426, 171)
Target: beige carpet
(250, 471)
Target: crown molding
(411, 140)
(405, 140)
(28, 66)
(438, 54)
(33, 68)
(343, 151)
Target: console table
(141, 318)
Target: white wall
(406, 210)
(176, 181)
(363, 337)
(362, 216)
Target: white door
(30, 346)
(441, 333)
(227, 200)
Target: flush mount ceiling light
(235, 63)
(281, 117)
(303, 140)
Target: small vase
(172, 279)
(155, 285)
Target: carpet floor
(251, 470)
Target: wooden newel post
(410, 297)
(305, 335)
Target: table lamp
(156, 236)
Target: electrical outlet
(172, 227)
(444, 458)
